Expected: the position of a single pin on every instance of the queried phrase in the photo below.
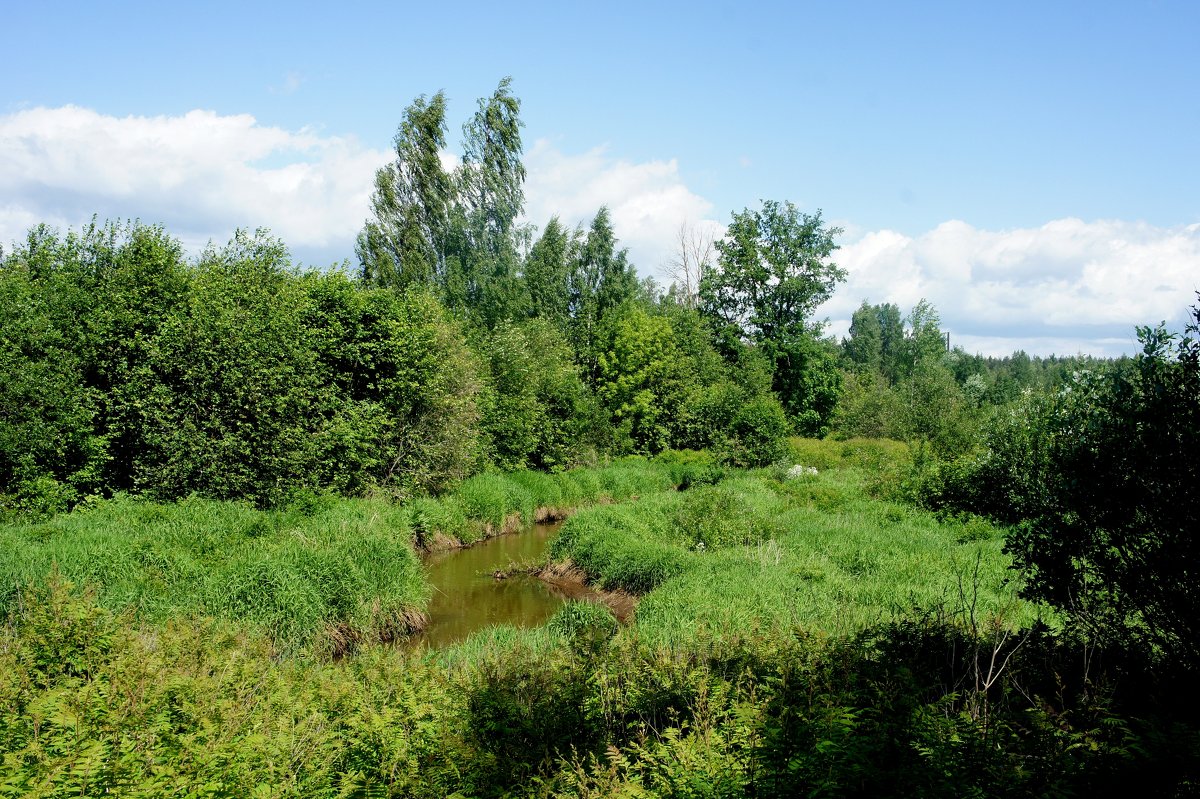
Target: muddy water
(467, 597)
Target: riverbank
(746, 669)
(319, 577)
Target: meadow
(795, 632)
(320, 576)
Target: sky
(1032, 169)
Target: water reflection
(466, 597)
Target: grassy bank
(491, 503)
(325, 573)
(776, 652)
(322, 575)
(783, 547)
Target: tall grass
(756, 551)
(325, 573)
(483, 504)
(331, 572)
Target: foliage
(404, 243)
(454, 234)
(774, 268)
(1099, 483)
(1112, 542)
(876, 340)
(327, 574)
(229, 393)
(78, 316)
(536, 409)
(236, 377)
(808, 381)
(773, 271)
(600, 281)
(547, 273)
(639, 376)
(481, 279)
(946, 702)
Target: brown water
(467, 597)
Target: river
(467, 597)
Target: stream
(466, 597)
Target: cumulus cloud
(201, 174)
(648, 200)
(1068, 286)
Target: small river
(466, 597)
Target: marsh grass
(323, 575)
(330, 573)
(815, 552)
(487, 503)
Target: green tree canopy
(600, 281)
(403, 243)
(774, 268)
(548, 273)
(1111, 530)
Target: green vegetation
(1102, 484)
(91, 705)
(324, 573)
(321, 575)
(218, 475)
(769, 550)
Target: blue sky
(1031, 168)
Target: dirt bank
(574, 583)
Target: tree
(548, 272)
(924, 341)
(773, 269)
(692, 259)
(1111, 534)
(640, 376)
(535, 409)
(404, 241)
(601, 280)
(864, 348)
(482, 280)
(492, 176)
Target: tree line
(465, 339)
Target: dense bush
(1100, 481)
(122, 367)
(536, 410)
(78, 315)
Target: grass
(734, 551)
(735, 680)
(323, 575)
(331, 572)
(817, 552)
(483, 504)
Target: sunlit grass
(336, 570)
(816, 552)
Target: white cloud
(201, 174)
(648, 200)
(1067, 286)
